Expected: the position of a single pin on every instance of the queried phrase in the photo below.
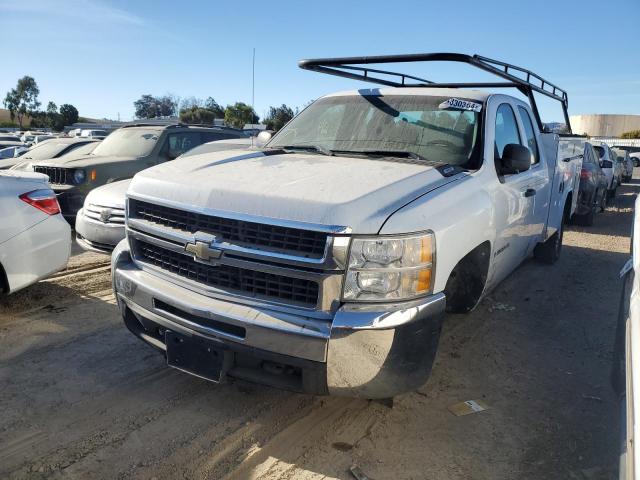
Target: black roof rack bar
(345, 67)
(402, 75)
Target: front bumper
(369, 351)
(71, 199)
(97, 236)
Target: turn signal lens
(44, 200)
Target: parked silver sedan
(100, 222)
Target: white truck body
(483, 225)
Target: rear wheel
(549, 251)
(603, 201)
(587, 219)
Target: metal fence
(619, 142)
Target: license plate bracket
(196, 355)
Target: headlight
(79, 176)
(390, 268)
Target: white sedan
(35, 240)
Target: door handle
(529, 192)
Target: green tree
(195, 110)
(197, 115)
(239, 114)
(211, 104)
(22, 100)
(148, 106)
(278, 117)
(68, 114)
(631, 134)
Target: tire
(587, 219)
(549, 251)
(603, 202)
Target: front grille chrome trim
(329, 283)
(334, 258)
(94, 212)
(317, 227)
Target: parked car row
(119, 156)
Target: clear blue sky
(101, 55)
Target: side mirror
(262, 139)
(516, 158)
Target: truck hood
(111, 195)
(359, 193)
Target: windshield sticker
(458, 104)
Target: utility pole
(253, 86)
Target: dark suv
(121, 155)
(592, 196)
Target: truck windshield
(412, 126)
(128, 142)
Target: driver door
(515, 198)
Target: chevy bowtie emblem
(105, 215)
(202, 249)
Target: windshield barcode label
(458, 104)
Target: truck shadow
(537, 351)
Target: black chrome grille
(292, 241)
(241, 281)
(56, 174)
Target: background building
(604, 125)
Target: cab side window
(506, 129)
(530, 135)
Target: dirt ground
(80, 397)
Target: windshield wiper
(307, 148)
(384, 153)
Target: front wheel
(549, 251)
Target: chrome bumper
(373, 351)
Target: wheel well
(467, 280)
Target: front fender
(460, 215)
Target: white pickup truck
(324, 261)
